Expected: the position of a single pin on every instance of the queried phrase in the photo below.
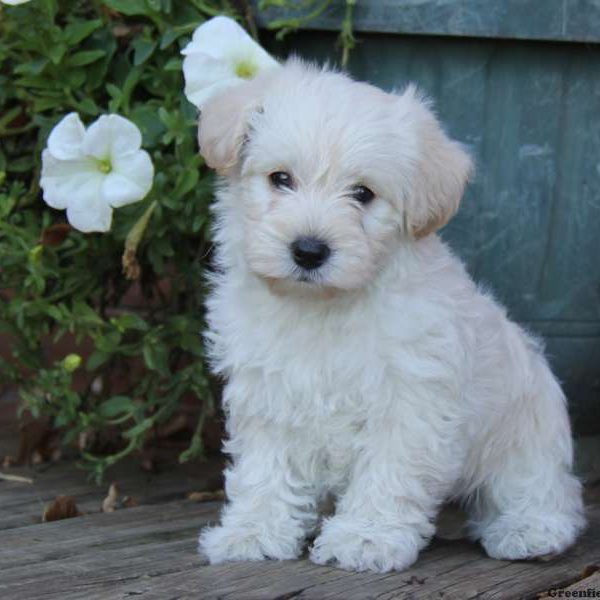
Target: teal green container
(518, 81)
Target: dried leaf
(54, 235)
(148, 460)
(122, 30)
(588, 571)
(35, 440)
(83, 439)
(62, 507)
(206, 496)
(128, 502)
(131, 266)
(109, 504)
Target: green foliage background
(96, 57)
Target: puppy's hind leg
(530, 503)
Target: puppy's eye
(362, 194)
(281, 180)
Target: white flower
(13, 2)
(90, 172)
(220, 55)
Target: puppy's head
(328, 174)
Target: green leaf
(54, 312)
(36, 81)
(114, 91)
(21, 165)
(88, 107)
(129, 7)
(168, 38)
(76, 32)
(173, 64)
(56, 52)
(76, 78)
(85, 314)
(131, 321)
(138, 429)
(85, 57)
(97, 359)
(186, 182)
(42, 104)
(169, 119)
(115, 406)
(109, 342)
(142, 50)
(34, 67)
(156, 356)
(152, 128)
(196, 447)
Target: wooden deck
(149, 550)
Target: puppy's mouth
(301, 283)
(310, 277)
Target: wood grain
(150, 552)
(561, 20)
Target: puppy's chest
(309, 364)
(292, 364)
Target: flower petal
(91, 214)
(217, 37)
(202, 73)
(130, 179)
(221, 54)
(66, 138)
(110, 136)
(64, 180)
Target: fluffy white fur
(385, 378)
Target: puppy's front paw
(530, 536)
(231, 544)
(361, 547)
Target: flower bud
(71, 362)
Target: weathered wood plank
(564, 20)
(584, 585)
(526, 228)
(150, 551)
(23, 504)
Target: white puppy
(361, 359)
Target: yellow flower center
(104, 166)
(245, 69)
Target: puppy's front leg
(386, 514)
(270, 509)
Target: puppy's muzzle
(309, 252)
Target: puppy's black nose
(310, 253)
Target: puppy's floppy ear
(442, 171)
(224, 123)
